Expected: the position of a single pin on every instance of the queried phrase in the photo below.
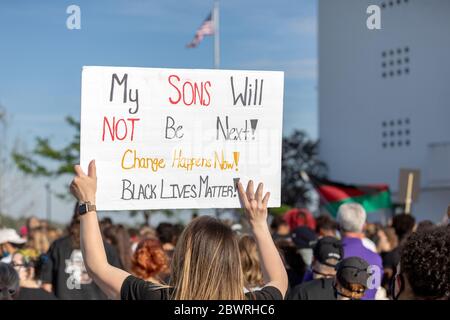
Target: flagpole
(216, 35)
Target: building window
(396, 133)
(395, 62)
(389, 4)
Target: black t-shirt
(137, 289)
(318, 289)
(64, 269)
(391, 258)
(35, 294)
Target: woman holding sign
(206, 263)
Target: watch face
(82, 209)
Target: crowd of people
(297, 256)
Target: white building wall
(372, 125)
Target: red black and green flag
(333, 194)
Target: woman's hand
(253, 203)
(255, 207)
(84, 187)
(109, 278)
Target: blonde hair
(251, 269)
(206, 263)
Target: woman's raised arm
(255, 207)
(106, 276)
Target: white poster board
(180, 138)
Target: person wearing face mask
(423, 271)
(349, 283)
(327, 252)
(319, 279)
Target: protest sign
(180, 138)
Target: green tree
(45, 160)
(300, 153)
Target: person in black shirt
(318, 283)
(26, 263)
(350, 283)
(318, 289)
(205, 263)
(64, 272)
(327, 252)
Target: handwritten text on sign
(179, 138)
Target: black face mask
(325, 275)
(393, 286)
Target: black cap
(328, 248)
(304, 237)
(352, 270)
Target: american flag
(206, 29)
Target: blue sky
(41, 60)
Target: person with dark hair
(424, 225)
(404, 225)
(280, 229)
(118, 237)
(9, 282)
(105, 223)
(177, 231)
(166, 235)
(424, 269)
(325, 226)
(293, 261)
(27, 264)
(64, 272)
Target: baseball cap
(304, 237)
(11, 236)
(352, 270)
(328, 248)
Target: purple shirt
(353, 247)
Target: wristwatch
(86, 207)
